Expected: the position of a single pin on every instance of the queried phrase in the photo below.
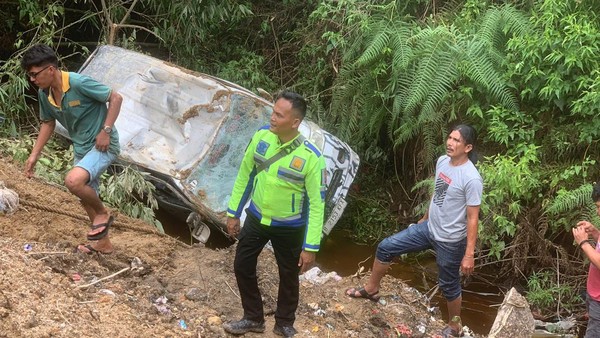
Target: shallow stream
(340, 254)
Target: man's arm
(315, 191)
(114, 108)
(46, 130)
(468, 261)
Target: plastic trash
(182, 324)
(161, 305)
(316, 276)
(27, 247)
(9, 200)
(107, 292)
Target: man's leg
(83, 182)
(412, 239)
(287, 245)
(378, 270)
(77, 182)
(454, 307)
(252, 239)
(448, 258)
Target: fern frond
(479, 68)
(430, 56)
(570, 200)
(500, 23)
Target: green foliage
(555, 69)
(247, 72)
(512, 129)
(188, 27)
(544, 292)
(53, 163)
(511, 183)
(13, 105)
(368, 214)
(132, 194)
(572, 205)
(398, 81)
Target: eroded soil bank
(170, 290)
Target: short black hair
(596, 192)
(39, 55)
(298, 102)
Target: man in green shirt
(78, 102)
(283, 175)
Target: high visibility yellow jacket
(290, 192)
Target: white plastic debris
(161, 305)
(316, 276)
(107, 292)
(9, 200)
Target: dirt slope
(172, 291)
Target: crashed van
(189, 131)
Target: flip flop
(102, 233)
(362, 293)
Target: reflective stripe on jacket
(290, 192)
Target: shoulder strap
(284, 151)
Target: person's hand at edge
(233, 226)
(306, 261)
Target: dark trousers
(287, 245)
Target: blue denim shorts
(95, 162)
(418, 238)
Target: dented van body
(189, 131)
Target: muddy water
(480, 301)
(338, 253)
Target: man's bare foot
(103, 246)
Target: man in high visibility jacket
(284, 176)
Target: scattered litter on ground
(316, 276)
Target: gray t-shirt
(455, 189)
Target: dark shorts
(418, 238)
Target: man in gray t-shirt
(449, 227)
(456, 187)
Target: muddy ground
(162, 288)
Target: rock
(31, 321)
(378, 321)
(214, 321)
(514, 318)
(194, 294)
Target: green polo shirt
(82, 111)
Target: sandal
(102, 233)
(362, 293)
